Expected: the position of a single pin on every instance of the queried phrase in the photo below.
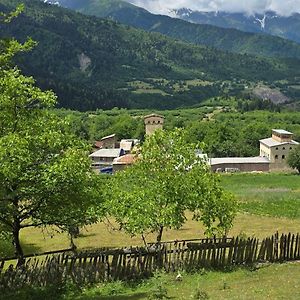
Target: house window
(283, 148)
(291, 148)
(276, 148)
(276, 156)
(283, 156)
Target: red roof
(98, 144)
(127, 159)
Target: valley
(149, 156)
(116, 54)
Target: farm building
(277, 148)
(104, 158)
(107, 142)
(120, 163)
(273, 156)
(240, 164)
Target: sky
(282, 7)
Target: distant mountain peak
(268, 22)
(53, 2)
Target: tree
(167, 180)
(45, 174)
(294, 159)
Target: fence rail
(134, 262)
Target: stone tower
(153, 122)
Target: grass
(269, 282)
(101, 235)
(275, 195)
(269, 203)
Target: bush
(200, 295)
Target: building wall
(153, 123)
(265, 151)
(247, 167)
(109, 143)
(277, 155)
(282, 138)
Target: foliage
(89, 62)
(224, 131)
(294, 159)
(168, 179)
(45, 175)
(199, 294)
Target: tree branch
(31, 225)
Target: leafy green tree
(294, 159)
(45, 175)
(167, 180)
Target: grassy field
(268, 282)
(274, 195)
(268, 203)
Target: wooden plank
(297, 243)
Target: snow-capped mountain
(269, 22)
(55, 2)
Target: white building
(277, 148)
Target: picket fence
(132, 263)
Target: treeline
(224, 134)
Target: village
(149, 150)
(112, 155)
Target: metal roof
(127, 159)
(108, 137)
(282, 131)
(239, 160)
(107, 153)
(270, 142)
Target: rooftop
(154, 115)
(108, 137)
(270, 142)
(107, 153)
(282, 131)
(239, 160)
(125, 159)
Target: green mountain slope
(224, 39)
(93, 63)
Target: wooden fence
(132, 263)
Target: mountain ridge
(96, 63)
(228, 39)
(269, 22)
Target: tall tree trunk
(16, 242)
(160, 233)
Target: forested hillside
(94, 63)
(224, 39)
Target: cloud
(283, 7)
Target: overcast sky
(283, 7)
